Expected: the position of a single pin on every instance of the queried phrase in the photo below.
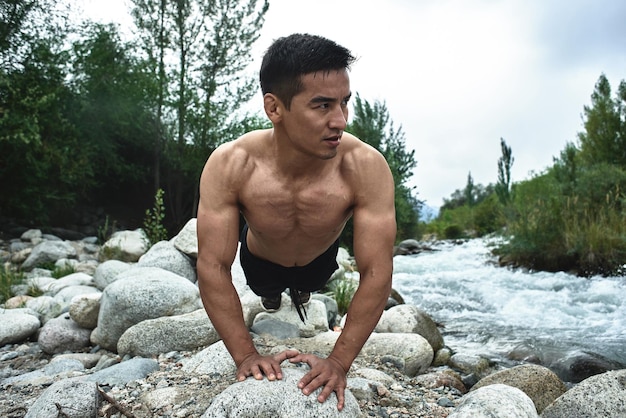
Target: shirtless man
(296, 186)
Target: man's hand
(324, 372)
(257, 365)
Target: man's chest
(313, 207)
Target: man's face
(319, 113)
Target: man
(296, 186)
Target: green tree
(503, 186)
(372, 124)
(604, 137)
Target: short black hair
(291, 57)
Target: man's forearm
(363, 316)
(223, 307)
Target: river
(494, 311)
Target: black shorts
(270, 279)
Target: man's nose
(339, 119)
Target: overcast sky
(458, 75)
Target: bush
(8, 278)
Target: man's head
(291, 57)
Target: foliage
(503, 186)
(373, 125)
(573, 216)
(8, 278)
(342, 289)
(63, 270)
(153, 222)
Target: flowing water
(495, 311)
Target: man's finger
(284, 355)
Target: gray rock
(31, 234)
(165, 255)
(46, 307)
(17, 325)
(470, 364)
(67, 398)
(602, 395)
(413, 351)
(84, 310)
(170, 333)
(316, 320)
(108, 271)
(124, 372)
(51, 372)
(362, 389)
(63, 334)
(278, 329)
(411, 319)
(141, 293)
(277, 399)
(538, 382)
(66, 295)
(332, 310)
(214, 359)
(495, 401)
(74, 279)
(48, 252)
(187, 239)
(127, 245)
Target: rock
(74, 279)
(67, 398)
(138, 294)
(278, 329)
(214, 359)
(46, 307)
(442, 378)
(495, 401)
(171, 333)
(66, 295)
(470, 364)
(17, 325)
(332, 310)
(578, 366)
(539, 383)
(281, 399)
(413, 350)
(45, 376)
(124, 372)
(125, 246)
(63, 334)
(411, 319)
(165, 255)
(108, 271)
(84, 310)
(32, 235)
(187, 239)
(316, 320)
(17, 301)
(602, 395)
(48, 252)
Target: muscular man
(296, 186)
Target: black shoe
(271, 304)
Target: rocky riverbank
(79, 349)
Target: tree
(205, 47)
(469, 191)
(372, 124)
(604, 138)
(503, 186)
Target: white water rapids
(491, 311)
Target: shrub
(9, 277)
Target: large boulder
(169, 333)
(141, 293)
(125, 246)
(67, 398)
(48, 252)
(187, 239)
(410, 319)
(107, 272)
(541, 384)
(164, 254)
(602, 395)
(496, 401)
(63, 334)
(17, 325)
(316, 320)
(277, 399)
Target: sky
(459, 75)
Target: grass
(9, 277)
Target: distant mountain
(428, 213)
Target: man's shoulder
(359, 152)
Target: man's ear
(274, 108)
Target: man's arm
(374, 236)
(218, 236)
